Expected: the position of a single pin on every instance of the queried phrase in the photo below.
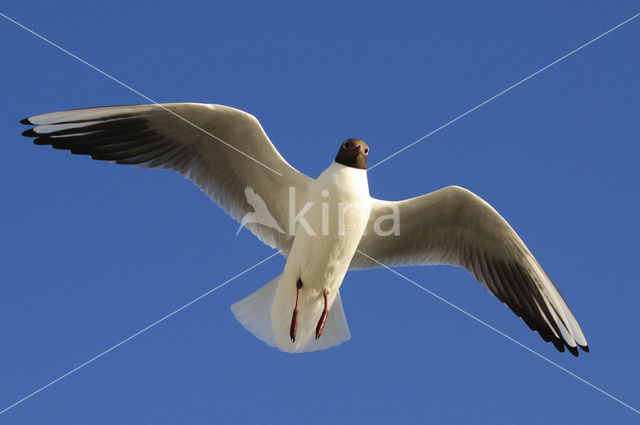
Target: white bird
(324, 226)
(260, 214)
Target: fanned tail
(254, 313)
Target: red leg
(323, 316)
(294, 317)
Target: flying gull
(324, 226)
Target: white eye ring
(346, 144)
(366, 151)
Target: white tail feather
(254, 313)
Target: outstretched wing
(221, 149)
(454, 226)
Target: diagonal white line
(503, 91)
(91, 360)
(500, 332)
(271, 256)
(134, 90)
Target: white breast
(339, 211)
(338, 205)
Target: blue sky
(93, 252)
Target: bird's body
(324, 226)
(321, 251)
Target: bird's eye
(366, 151)
(346, 144)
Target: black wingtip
(559, 345)
(26, 121)
(573, 350)
(41, 141)
(585, 348)
(29, 133)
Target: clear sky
(92, 252)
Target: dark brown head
(353, 153)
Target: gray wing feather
(454, 226)
(221, 149)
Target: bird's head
(353, 153)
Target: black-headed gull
(324, 226)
